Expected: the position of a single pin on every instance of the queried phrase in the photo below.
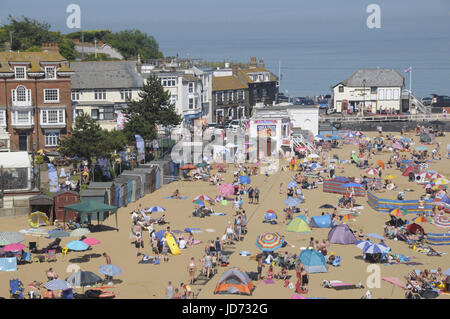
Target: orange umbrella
(188, 167)
(380, 163)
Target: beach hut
(136, 186)
(99, 195)
(145, 178)
(42, 203)
(235, 281)
(298, 225)
(152, 176)
(62, 199)
(313, 261)
(121, 194)
(130, 188)
(108, 186)
(341, 234)
(323, 221)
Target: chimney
(139, 64)
(261, 62)
(7, 46)
(235, 69)
(253, 61)
(50, 47)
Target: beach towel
(344, 286)
(192, 230)
(219, 214)
(210, 230)
(244, 253)
(171, 197)
(8, 264)
(269, 282)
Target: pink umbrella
(297, 296)
(91, 241)
(226, 190)
(14, 247)
(397, 145)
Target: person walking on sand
(108, 259)
(191, 270)
(260, 267)
(250, 195)
(138, 243)
(229, 232)
(281, 188)
(169, 291)
(256, 195)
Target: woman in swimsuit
(191, 270)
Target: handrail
(377, 118)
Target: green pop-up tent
(90, 207)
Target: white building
(281, 120)
(372, 90)
(101, 89)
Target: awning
(15, 160)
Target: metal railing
(386, 118)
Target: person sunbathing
(51, 274)
(270, 273)
(176, 194)
(283, 274)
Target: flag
(140, 145)
(408, 70)
(53, 178)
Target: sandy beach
(150, 281)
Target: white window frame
(388, 94)
(396, 94)
(15, 118)
(381, 94)
(240, 95)
(48, 74)
(24, 72)
(75, 95)
(191, 103)
(60, 116)
(98, 114)
(54, 138)
(2, 118)
(100, 95)
(191, 87)
(46, 100)
(125, 94)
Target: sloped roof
(244, 73)
(374, 77)
(105, 75)
(222, 83)
(34, 58)
(190, 78)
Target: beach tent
(425, 138)
(413, 228)
(298, 225)
(91, 207)
(341, 234)
(323, 221)
(313, 260)
(37, 219)
(234, 281)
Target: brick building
(35, 101)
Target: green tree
(130, 43)
(87, 140)
(153, 108)
(115, 141)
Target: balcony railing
(21, 103)
(23, 123)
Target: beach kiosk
(15, 171)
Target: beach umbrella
(398, 212)
(77, 245)
(350, 135)
(315, 166)
(292, 184)
(358, 133)
(203, 164)
(58, 233)
(326, 206)
(363, 244)
(436, 176)
(109, 270)
(91, 241)
(391, 176)
(270, 214)
(420, 148)
(14, 247)
(429, 185)
(10, 238)
(313, 155)
(349, 216)
(439, 187)
(371, 171)
(375, 249)
(366, 139)
(351, 185)
(203, 197)
(83, 278)
(155, 209)
(380, 163)
(244, 179)
(269, 241)
(376, 236)
(226, 190)
(57, 284)
(292, 201)
(188, 167)
(201, 202)
(422, 219)
(447, 272)
(441, 181)
(336, 137)
(79, 232)
(301, 149)
(319, 137)
(397, 146)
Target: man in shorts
(260, 267)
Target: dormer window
(50, 72)
(20, 72)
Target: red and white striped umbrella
(371, 171)
(203, 197)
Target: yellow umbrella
(390, 177)
(441, 181)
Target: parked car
(323, 104)
(426, 100)
(303, 101)
(440, 101)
